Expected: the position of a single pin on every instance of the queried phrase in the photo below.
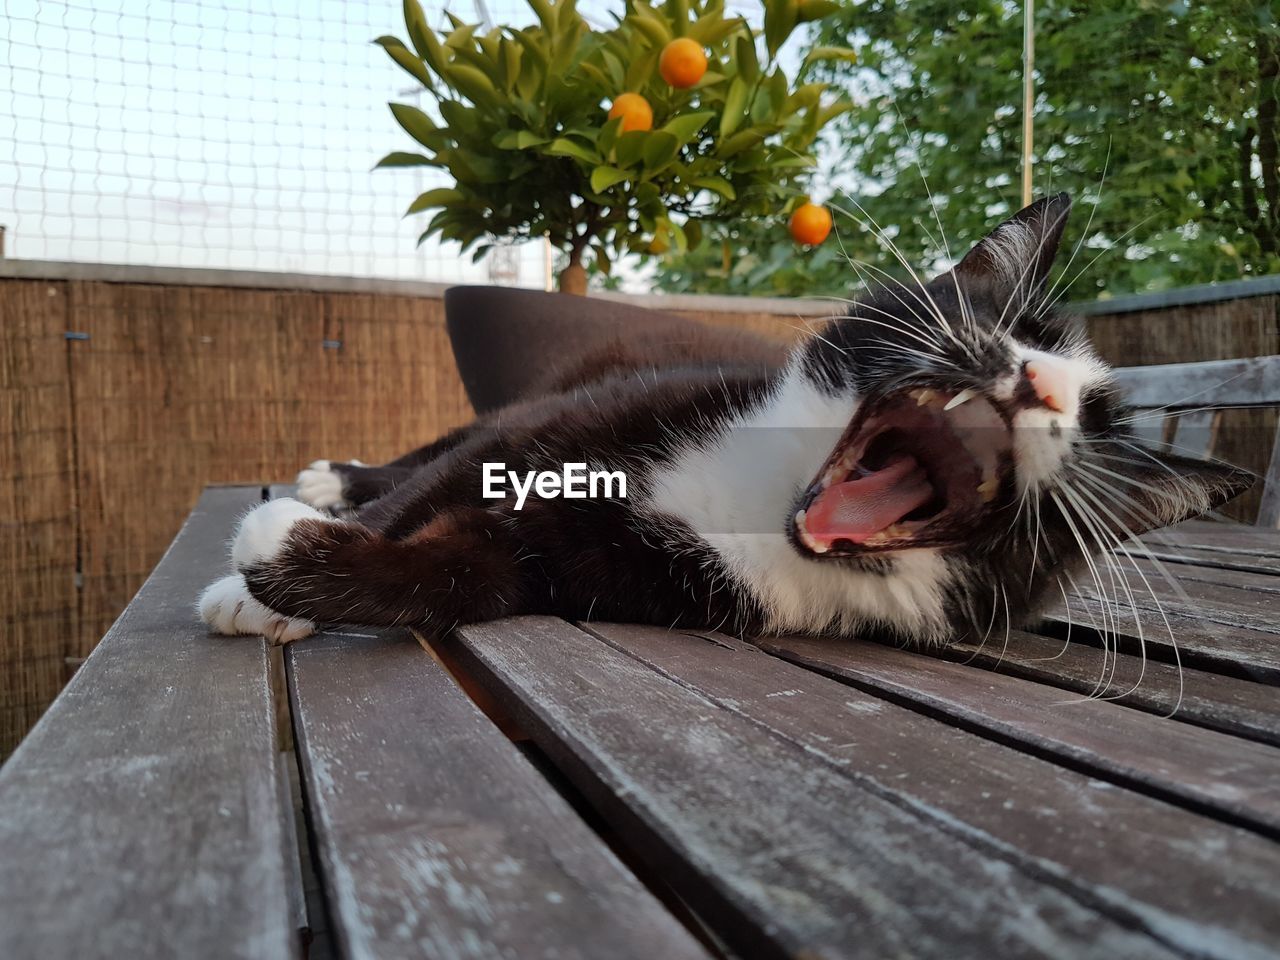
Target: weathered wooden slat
(1229, 537)
(1196, 433)
(1153, 865)
(1249, 382)
(1222, 559)
(436, 837)
(1246, 580)
(1204, 644)
(777, 850)
(1212, 600)
(1149, 428)
(1234, 778)
(1269, 508)
(1211, 700)
(143, 816)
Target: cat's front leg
(334, 485)
(460, 567)
(228, 607)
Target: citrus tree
(609, 141)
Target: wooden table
(679, 794)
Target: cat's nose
(1055, 381)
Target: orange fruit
(634, 110)
(810, 224)
(682, 63)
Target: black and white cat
(931, 465)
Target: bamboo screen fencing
(120, 400)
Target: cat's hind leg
(333, 485)
(461, 567)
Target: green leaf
(562, 147)
(685, 128)
(423, 38)
(742, 140)
(416, 123)
(477, 87)
(844, 54)
(779, 21)
(641, 70)
(461, 36)
(654, 28)
(517, 140)
(710, 29)
(416, 23)
(401, 159)
(608, 136)
(748, 62)
(403, 56)
(809, 10)
(458, 115)
(693, 233)
(602, 178)
(716, 185)
(678, 12)
(734, 102)
(630, 147)
(440, 197)
(660, 149)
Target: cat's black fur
(426, 549)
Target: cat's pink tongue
(858, 509)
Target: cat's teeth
(806, 538)
(987, 489)
(964, 395)
(923, 396)
(896, 531)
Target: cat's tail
(311, 568)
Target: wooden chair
(1186, 402)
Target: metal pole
(1, 241)
(1028, 93)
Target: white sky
(226, 134)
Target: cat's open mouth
(922, 467)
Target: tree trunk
(573, 279)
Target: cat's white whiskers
(1087, 553)
(1049, 304)
(1107, 541)
(931, 305)
(1066, 643)
(1102, 182)
(965, 314)
(1120, 544)
(990, 625)
(1018, 289)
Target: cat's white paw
(228, 607)
(321, 486)
(264, 529)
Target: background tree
(1177, 101)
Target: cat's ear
(1012, 262)
(1159, 489)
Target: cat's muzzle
(919, 467)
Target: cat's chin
(920, 467)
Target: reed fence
(123, 391)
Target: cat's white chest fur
(735, 491)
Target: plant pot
(507, 342)
(510, 344)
